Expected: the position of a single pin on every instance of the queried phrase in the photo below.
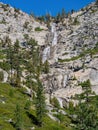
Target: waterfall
(46, 54)
(53, 30)
(54, 42)
(46, 51)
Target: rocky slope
(75, 54)
(17, 25)
(71, 47)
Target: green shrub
(55, 102)
(1, 76)
(93, 51)
(5, 66)
(46, 67)
(27, 105)
(38, 29)
(76, 22)
(5, 7)
(3, 21)
(16, 10)
(26, 25)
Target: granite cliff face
(71, 47)
(18, 25)
(75, 54)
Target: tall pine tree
(40, 103)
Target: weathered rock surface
(73, 63)
(67, 47)
(16, 24)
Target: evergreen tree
(18, 118)
(13, 60)
(86, 113)
(63, 13)
(16, 62)
(48, 17)
(16, 46)
(86, 86)
(72, 11)
(58, 18)
(96, 2)
(34, 68)
(87, 117)
(10, 57)
(55, 103)
(46, 67)
(40, 103)
(1, 76)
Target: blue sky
(41, 7)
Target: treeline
(48, 17)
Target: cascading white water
(46, 54)
(53, 30)
(54, 42)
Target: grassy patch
(9, 97)
(38, 29)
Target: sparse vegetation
(85, 52)
(1, 76)
(38, 29)
(17, 10)
(55, 102)
(5, 7)
(76, 22)
(3, 21)
(26, 24)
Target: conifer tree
(40, 103)
(87, 117)
(18, 118)
(40, 97)
(16, 46)
(34, 68)
(58, 18)
(63, 13)
(86, 113)
(86, 86)
(46, 67)
(96, 2)
(16, 61)
(10, 57)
